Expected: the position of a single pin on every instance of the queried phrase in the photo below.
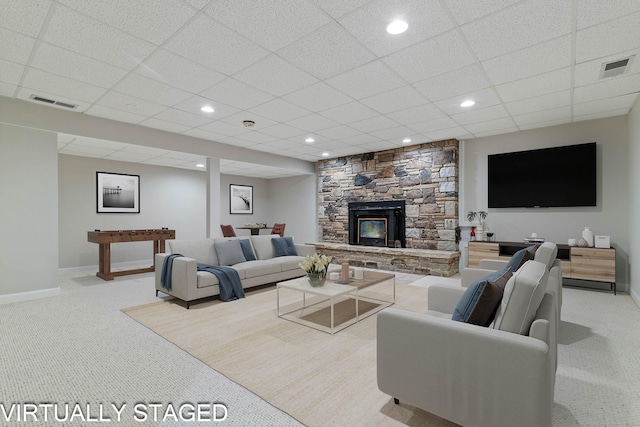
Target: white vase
(587, 235)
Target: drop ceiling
(324, 69)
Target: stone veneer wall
(425, 175)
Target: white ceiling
(325, 69)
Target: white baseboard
(126, 265)
(635, 296)
(28, 296)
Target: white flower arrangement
(315, 263)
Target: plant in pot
(478, 232)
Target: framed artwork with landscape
(240, 199)
(117, 193)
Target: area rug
(317, 378)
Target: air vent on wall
(53, 102)
(615, 68)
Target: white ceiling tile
(209, 43)
(433, 125)
(369, 79)
(7, 89)
(115, 114)
(338, 132)
(611, 87)
(272, 24)
(491, 125)
(337, 8)
(275, 76)
(463, 13)
(457, 82)
(282, 144)
(122, 102)
(373, 124)
(589, 72)
(483, 98)
(457, 132)
(79, 153)
(162, 161)
(76, 66)
(395, 100)
(182, 118)
(426, 18)
(416, 63)
(525, 24)
(95, 39)
(327, 52)
(65, 138)
(484, 114)
(318, 97)
(185, 156)
(361, 139)
(151, 20)
(496, 132)
(395, 134)
(538, 59)
(261, 122)
(283, 131)
(279, 110)
(554, 114)
(25, 93)
(593, 12)
(602, 115)
(141, 149)
(608, 39)
(624, 102)
(192, 106)
(164, 125)
(174, 70)
(224, 128)
(46, 82)
(237, 94)
(542, 84)
(350, 112)
(24, 16)
(78, 148)
(313, 122)
(128, 156)
(539, 103)
(151, 90)
(11, 72)
(204, 134)
(15, 47)
(380, 146)
(198, 4)
(417, 114)
(94, 142)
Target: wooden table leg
(104, 262)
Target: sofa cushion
(283, 246)
(289, 263)
(470, 297)
(520, 257)
(522, 296)
(247, 250)
(263, 247)
(484, 311)
(229, 252)
(258, 268)
(200, 249)
(546, 254)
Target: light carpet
(318, 378)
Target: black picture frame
(117, 193)
(240, 199)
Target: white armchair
(468, 374)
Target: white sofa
(188, 284)
(502, 375)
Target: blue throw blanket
(228, 278)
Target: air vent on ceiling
(53, 102)
(615, 68)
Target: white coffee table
(330, 291)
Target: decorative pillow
(520, 257)
(469, 299)
(484, 311)
(229, 252)
(247, 250)
(283, 246)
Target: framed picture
(240, 199)
(117, 193)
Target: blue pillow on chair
(520, 257)
(480, 301)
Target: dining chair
(227, 230)
(278, 229)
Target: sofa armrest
(470, 275)
(444, 298)
(493, 264)
(184, 277)
(465, 373)
(304, 250)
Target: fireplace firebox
(378, 223)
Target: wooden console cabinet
(593, 264)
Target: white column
(213, 197)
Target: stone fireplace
(377, 223)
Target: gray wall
(293, 201)
(634, 201)
(609, 217)
(28, 212)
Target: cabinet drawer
(479, 251)
(593, 264)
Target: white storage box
(602, 241)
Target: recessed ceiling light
(467, 103)
(207, 109)
(325, 154)
(397, 27)
(406, 140)
(309, 140)
(199, 165)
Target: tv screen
(549, 177)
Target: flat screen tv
(549, 177)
